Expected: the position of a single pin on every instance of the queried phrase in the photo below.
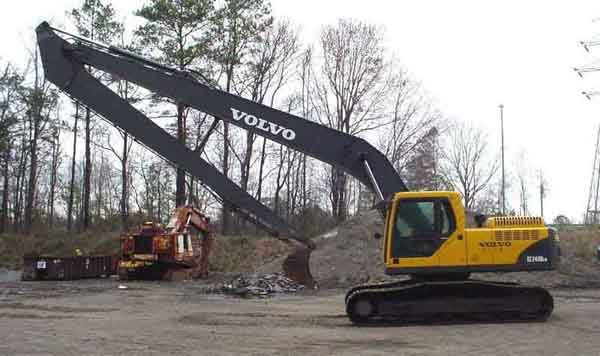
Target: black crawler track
(447, 302)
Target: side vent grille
(499, 235)
(516, 235)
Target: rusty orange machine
(178, 251)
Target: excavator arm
(64, 65)
(352, 154)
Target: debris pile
(261, 285)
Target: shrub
(244, 253)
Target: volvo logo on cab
(262, 124)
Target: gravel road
(95, 317)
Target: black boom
(64, 66)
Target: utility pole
(501, 106)
(591, 213)
(591, 216)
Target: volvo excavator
(424, 235)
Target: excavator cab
(426, 235)
(419, 226)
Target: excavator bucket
(296, 266)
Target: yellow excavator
(425, 234)
(426, 238)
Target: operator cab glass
(421, 226)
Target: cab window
(415, 219)
(421, 226)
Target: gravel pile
(346, 255)
(260, 285)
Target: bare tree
(54, 166)
(122, 154)
(523, 174)
(178, 30)
(269, 68)
(40, 100)
(465, 162)
(489, 200)
(95, 19)
(5, 187)
(543, 189)
(10, 81)
(22, 159)
(73, 165)
(413, 131)
(306, 110)
(351, 89)
(237, 25)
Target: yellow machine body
(439, 243)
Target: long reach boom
(65, 56)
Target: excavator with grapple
(424, 235)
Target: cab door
(425, 234)
(414, 240)
(453, 251)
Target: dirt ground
(95, 317)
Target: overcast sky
(470, 56)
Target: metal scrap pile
(261, 285)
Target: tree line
(63, 167)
